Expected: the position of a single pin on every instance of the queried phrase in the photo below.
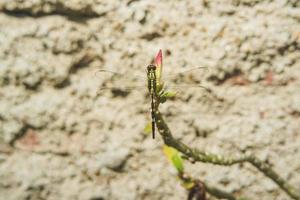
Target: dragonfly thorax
(151, 72)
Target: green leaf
(177, 162)
(166, 95)
(162, 99)
(174, 157)
(159, 87)
(169, 94)
(148, 128)
(188, 184)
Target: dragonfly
(157, 91)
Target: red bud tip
(158, 59)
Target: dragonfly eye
(151, 67)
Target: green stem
(219, 193)
(201, 156)
(207, 188)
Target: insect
(156, 87)
(152, 84)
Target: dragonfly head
(151, 67)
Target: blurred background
(60, 138)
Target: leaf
(159, 87)
(148, 128)
(188, 184)
(166, 95)
(169, 94)
(174, 157)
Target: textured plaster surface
(60, 138)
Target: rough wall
(62, 139)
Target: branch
(201, 156)
(219, 193)
(199, 189)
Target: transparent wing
(187, 86)
(120, 84)
(105, 73)
(187, 83)
(186, 91)
(185, 75)
(184, 80)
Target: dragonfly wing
(186, 74)
(125, 88)
(122, 90)
(181, 91)
(184, 80)
(109, 74)
(120, 84)
(187, 86)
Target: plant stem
(219, 193)
(201, 156)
